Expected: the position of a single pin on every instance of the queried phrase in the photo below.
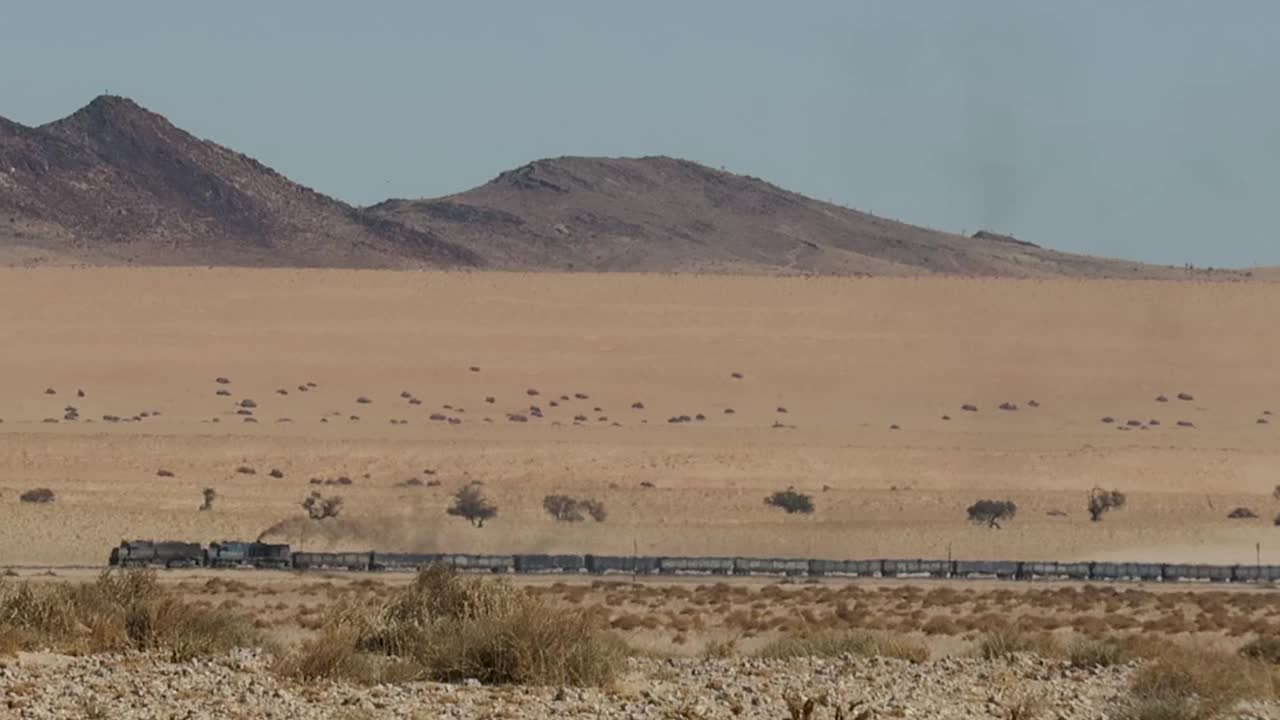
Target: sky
(1145, 129)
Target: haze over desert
(865, 369)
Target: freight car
(770, 566)
(917, 568)
(332, 560)
(695, 565)
(621, 564)
(564, 564)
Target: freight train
(232, 554)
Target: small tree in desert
(209, 496)
(791, 501)
(319, 507)
(991, 512)
(470, 503)
(569, 509)
(1102, 501)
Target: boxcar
(549, 563)
(987, 568)
(930, 568)
(480, 563)
(404, 561)
(1256, 573)
(1042, 569)
(695, 565)
(1126, 571)
(622, 564)
(1197, 573)
(858, 568)
(770, 566)
(605, 564)
(333, 560)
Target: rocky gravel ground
(43, 687)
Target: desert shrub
(1005, 642)
(1263, 647)
(791, 501)
(1193, 683)
(450, 627)
(721, 649)
(331, 656)
(38, 495)
(564, 508)
(470, 503)
(1089, 653)
(1241, 513)
(991, 512)
(596, 510)
(1102, 501)
(122, 610)
(276, 473)
(164, 473)
(319, 507)
(209, 495)
(860, 644)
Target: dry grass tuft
(1180, 682)
(447, 627)
(1090, 653)
(1264, 647)
(861, 644)
(122, 610)
(1003, 643)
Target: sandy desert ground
(848, 359)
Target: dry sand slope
(846, 358)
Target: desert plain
(849, 390)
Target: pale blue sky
(1144, 129)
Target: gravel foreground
(43, 687)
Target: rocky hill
(668, 215)
(115, 183)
